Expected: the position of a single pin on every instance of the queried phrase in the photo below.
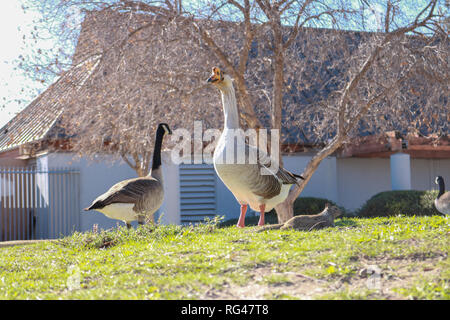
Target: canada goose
(442, 202)
(135, 199)
(250, 187)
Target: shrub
(405, 202)
(311, 205)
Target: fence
(38, 204)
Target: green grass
(208, 262)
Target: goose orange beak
(216, 76)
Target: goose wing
(128, 191)
(270, 176)
(271, 167)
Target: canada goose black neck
(157, 150)
(441, 183)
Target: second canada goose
(442, 202)
(138, 198)
(262, 192)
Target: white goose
(135, 199)
(262, 192)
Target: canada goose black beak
(166, 129)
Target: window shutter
(197, 192)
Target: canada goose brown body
(137, 198)
(442, 202)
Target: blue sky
(13, 81)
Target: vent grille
(197, 193)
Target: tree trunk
(285, 210)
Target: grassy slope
(171, 262)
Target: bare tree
(142, 75)
(367, 77)
(384, 68)
(323, 73)
(372, 73)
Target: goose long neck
(156, 164)
(441, 188)
(230, 108)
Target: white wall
(425, 171)
(323, 183)
(360, 178)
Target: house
(36, 138)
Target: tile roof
(34, 122)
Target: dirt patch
(295, 285)
(374, 279)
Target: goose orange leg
(241, 221)
(262, 210)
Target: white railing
(38, 204)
